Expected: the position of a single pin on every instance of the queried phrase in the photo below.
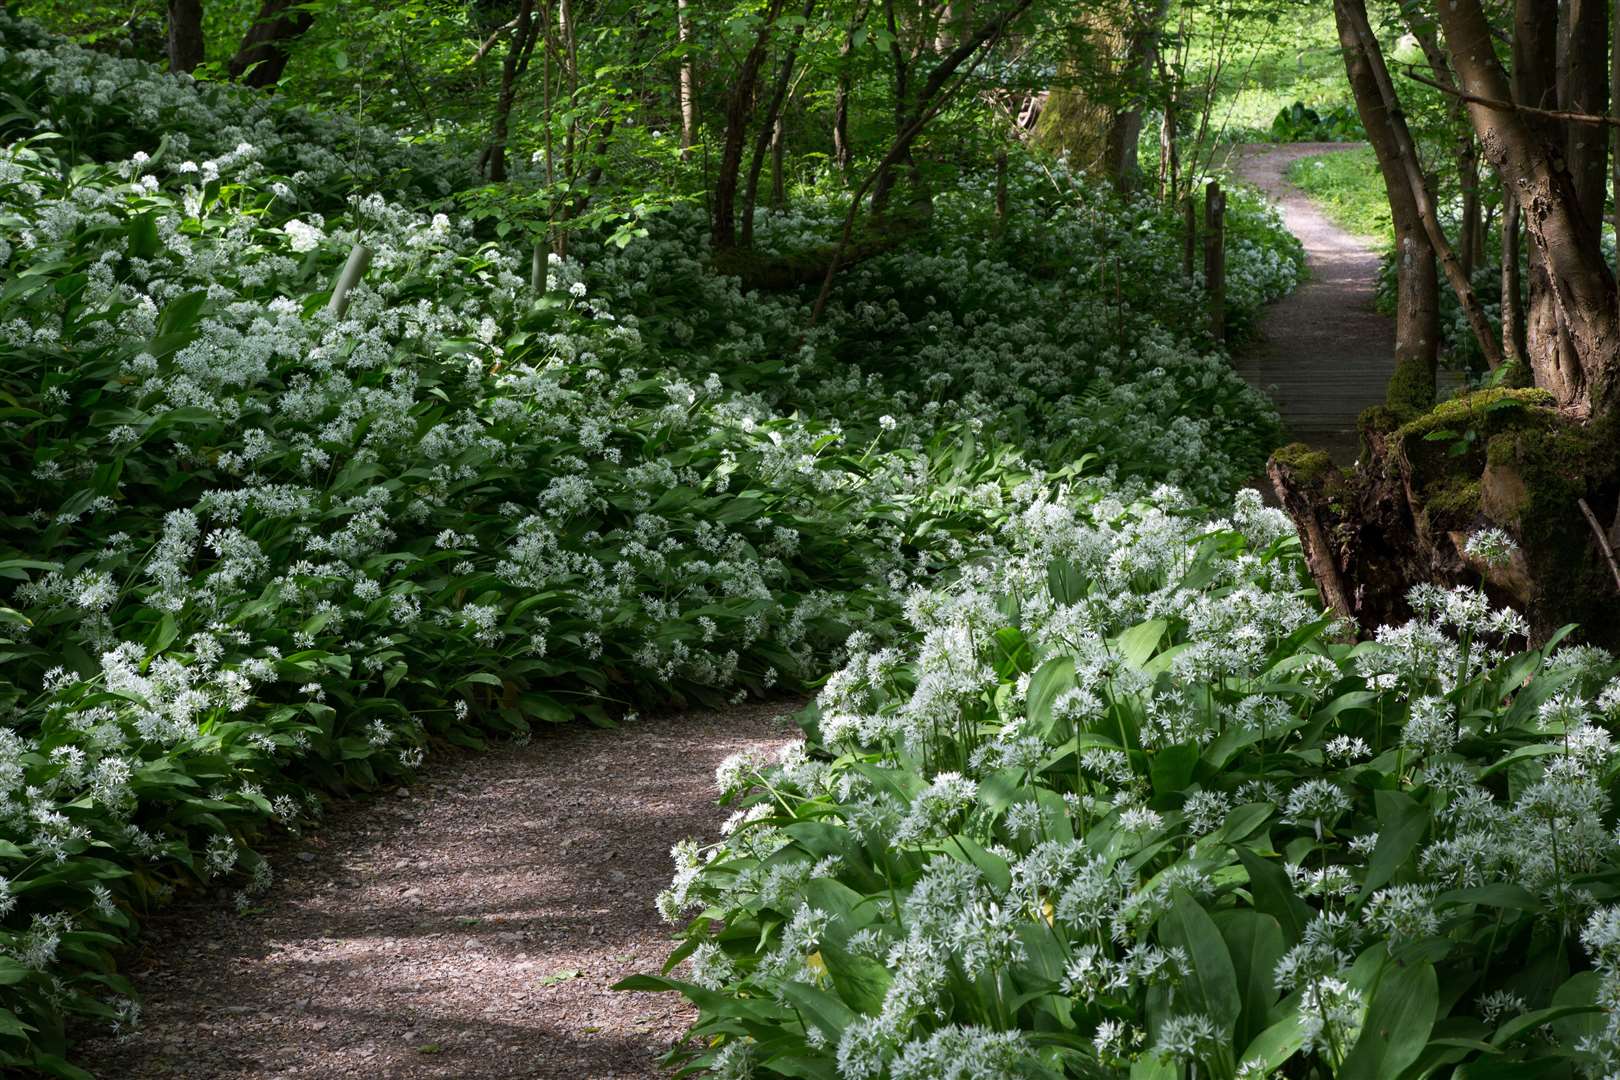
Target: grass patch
(1346, 185)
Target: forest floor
(469, 926)
(1323, 354)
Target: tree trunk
(1576, 276)
(264, 47)
(688, 79)
(522, 34)
(843, 152)
(739, 107)
(1417, 311)
(770, 125)
(1125, 128)
(185, 35)
(1514, 352)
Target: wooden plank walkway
(1323, 354)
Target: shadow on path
(468, 928)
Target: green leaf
(1255, 943)
(1172, 768)
(1050, 679)
(1519, 1025)
(860, 981)
(1401, 824)
(1273, 894)
(1212, 987)
(1277, 1043)
(1065, 582)
(820, 1009)
(1398, 1023)
(1139, 642)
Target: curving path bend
(1324, 354)
(467, 927)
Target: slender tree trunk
(522, 34)
(1514, 351)
(688, 79)
(769, 126)
(264, 47)
(1417, 308)
(1352, 19)
(1125, 128)
(1577, 276)
(779, 164)
(1470, 234)
(739, 107)
(185, 35)
(843, 152)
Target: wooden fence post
(1215, 258)
(1189, 239)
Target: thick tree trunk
(262, 57)
(1417, 310)
(185, 35)
(1561, 239)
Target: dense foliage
(1126, 805)
(267, 538)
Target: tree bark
(522, 35)
(843, 152)
(1417, 308)
(1470, 235)
(185, 35)
(770, 125)
(1577, 277)
(1125, 129)
(264, 47)
(687, 79)
(1514, 351)
(739, 107)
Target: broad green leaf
(1255, 943)
(1399, 1019)
(1401, 824)
(1274, 895)
(1211, 988)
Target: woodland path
(1323, 354)
(467, 927)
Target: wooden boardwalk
(1323, 354)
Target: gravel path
(469, 927)
(1324, 354)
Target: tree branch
(1511, 106)
(1602, 539)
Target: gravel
(469, 926)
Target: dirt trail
(1324, 354)
(469, 928)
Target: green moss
(1308, 464)
(1453, 503)
(1411, 390)
(1559, 464)
(1474, 409)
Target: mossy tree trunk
(1540, 463)
(1417, 308)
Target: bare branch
(1510, 106)
(1602, 539)
(489, 42)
